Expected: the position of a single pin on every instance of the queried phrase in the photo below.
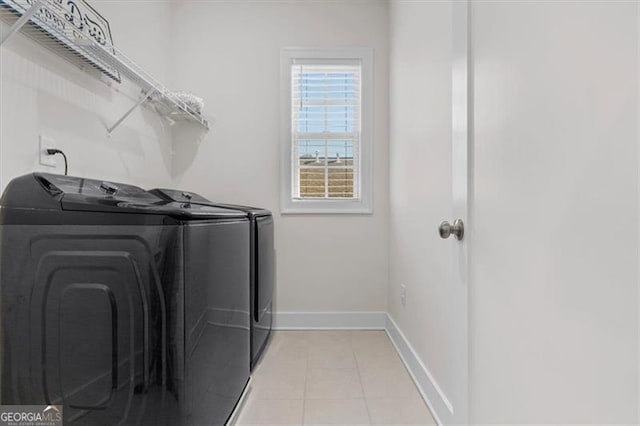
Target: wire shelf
(47, 23)
(165, 102)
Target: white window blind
(326, 129)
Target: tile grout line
(366, 404)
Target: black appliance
(122, 307)
(262, 264)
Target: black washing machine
(262, 264)
(121, 307)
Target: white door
(553, 292)
(460, 185)
(429, 185)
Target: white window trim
(363, 205)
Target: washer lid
(191, 211)
(192, 197)
(45, 191)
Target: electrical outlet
(46, 159)
(403, 294)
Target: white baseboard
(329, 320)
(438, 403)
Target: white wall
(229, 54)
(43, 94)
(555, 215)
(420, 187)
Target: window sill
(366, 212)
(298, 207)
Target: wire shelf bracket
(21, 21)
(142, 100)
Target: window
(326, 137)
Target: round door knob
(446, 229)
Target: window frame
(363, 204)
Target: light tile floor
(332, 377)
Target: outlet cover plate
(45, 159)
